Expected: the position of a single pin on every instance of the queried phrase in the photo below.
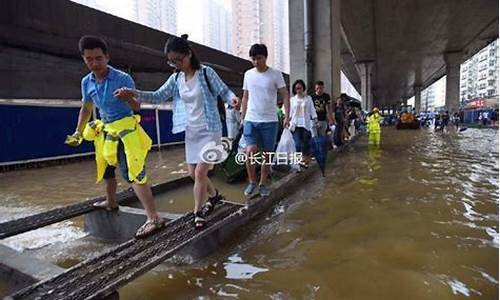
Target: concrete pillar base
(324, 62)
(418, 98)
(364, 70)
(119, 225)
(453, 61)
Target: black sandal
(199, 220)
(211, 203)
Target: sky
(189, 13)
(120, 8)
(191, 8)
(190, 18)
(191, 25)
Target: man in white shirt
(259, 113)
(485, 116)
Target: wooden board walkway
(102, 275)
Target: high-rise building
(262, 21)
(433, 97)
(347, 87)
(479, 74)
(246, 26)
(158, 14)
(89, 3)
(427, 99)
(281, 37)
(217, 25)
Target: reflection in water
(458, 287)
(374, 139)
(236, 269)
(425, 228)
(373, 162)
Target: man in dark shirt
(322, 104)
(445, 119)
(339, 116)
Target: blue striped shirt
(101, 94)
(170, 90)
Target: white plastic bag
(286, 145)
(242, 144)
(314, 130)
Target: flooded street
(416, 218)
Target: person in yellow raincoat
(374, 121)
(118, 138)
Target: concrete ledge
(119, 225)
(22, 269)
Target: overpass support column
(453, 61)
(418, 98)
(315, 54)
(297, 40)
(335, 35)
(364, 70)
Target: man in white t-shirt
(259, 113)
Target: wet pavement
(416, 218)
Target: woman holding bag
(303, 120)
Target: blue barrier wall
(30, 132)
(472, 115)
(148, 122)
(34, 132)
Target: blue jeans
(262, 134)
(322, 126)
(302, 139)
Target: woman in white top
(194, 89)
(303, 120)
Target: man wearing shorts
(322, 105)
(117, 117)
(259, 114)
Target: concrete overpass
(389, 49)
(39, 55)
